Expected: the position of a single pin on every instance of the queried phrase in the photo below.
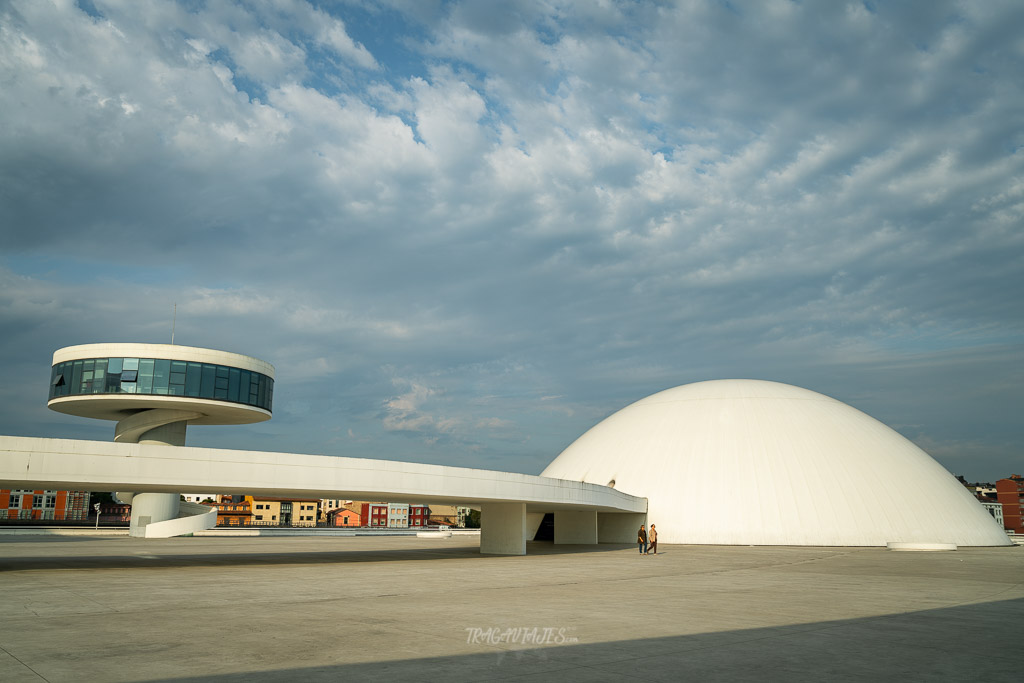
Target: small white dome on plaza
(750, 462)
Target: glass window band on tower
(157, 377)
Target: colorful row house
(266, 511)
(350, 515)
(269, 511)
(40, 504)
(232, 512)
(397, 515)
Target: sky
(466, 232)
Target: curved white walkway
(584, 513)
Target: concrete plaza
(434, 609)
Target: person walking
(641, 539)
(653, 536)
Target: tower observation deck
(153, 392)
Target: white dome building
(736, 462)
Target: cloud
(332, 33)
(403, 412)
(586, 201)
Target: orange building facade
(43, 504)
(233, 512)
(349, 515)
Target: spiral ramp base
(161, 515)
(191, 517)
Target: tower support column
(157, 426)
(152, 507)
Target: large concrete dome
(751, 462)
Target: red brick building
(397, 515)
(1010, 492)
(419, 515)
(43, 504)
(377, 514)
(115, 513)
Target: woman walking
(654, 541)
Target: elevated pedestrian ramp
(511, 504)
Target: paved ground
(360, 609)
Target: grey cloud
(578, 201)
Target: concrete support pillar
(152, 507)
(157, 426)
(575, 527)
(619, 527)
(503, 528)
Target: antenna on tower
(174, 321)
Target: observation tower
(153, 392)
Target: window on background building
(50, 501)
(259, 518)
(37, 501)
